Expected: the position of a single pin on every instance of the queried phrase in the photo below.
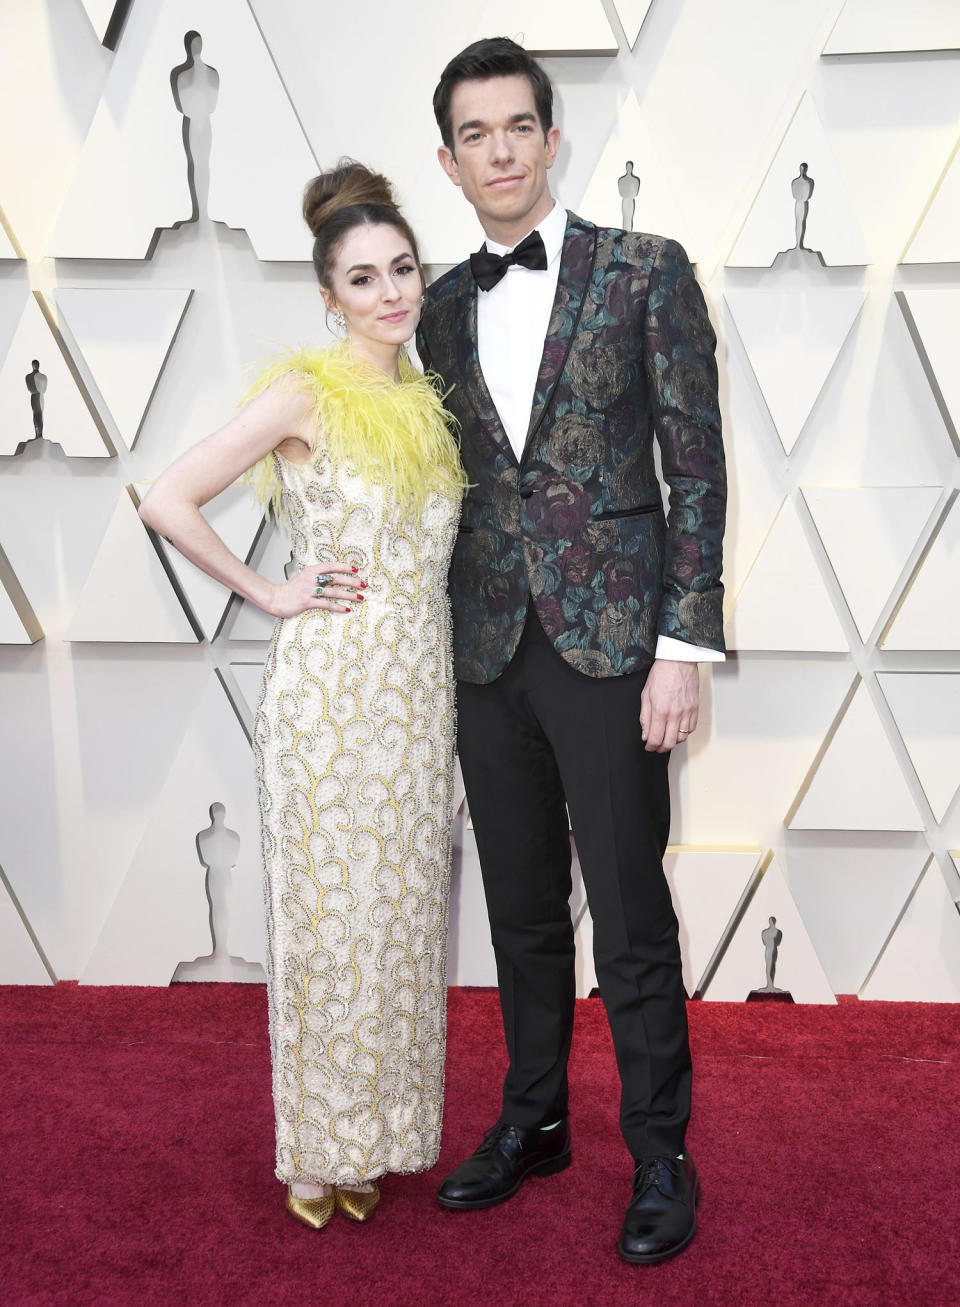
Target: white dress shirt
(512, 322)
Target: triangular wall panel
(248, 683)
(100, 13)
(706, 886)
(236, 518)
(125, 335)
(831, 227)
(783, 603)
(793, 337)
(447, 242)
(926, 708)
(65, 416)
(656, 208)
(869, 533)
(7, 250)
(929, 617)
(18, 621)
(850, 893)
(586, 970)
(580, 29)
(933, 319)
(742, 968)
(893, 27)
(921, 961)
(631, 14)
(164, 884)
(459, 789)
(858, 784)
(127, 596)
(245, 620)
(20, 963)
(131, 176)
(937, 237)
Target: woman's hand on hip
(330, 587)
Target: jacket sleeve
(679, 356)
(423, 348)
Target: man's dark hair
(496, 56)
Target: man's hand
(670, 704)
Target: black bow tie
(489, 268)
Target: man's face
(501, 155)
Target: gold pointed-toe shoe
(358, 1206)
(312, 1212)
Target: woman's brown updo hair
(349, 195)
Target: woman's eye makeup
(365, 279)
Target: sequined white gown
(354, 742)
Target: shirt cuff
(679, 651)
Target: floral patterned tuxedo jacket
(578, 525)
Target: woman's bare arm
(277, 419)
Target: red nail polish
(359, 599)
(354, 568)
(363, 585)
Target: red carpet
(136, 1135)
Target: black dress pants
(538, 739)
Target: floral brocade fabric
(578, 526)
(354, 743)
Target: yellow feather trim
(394, 434)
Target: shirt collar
(552, 228)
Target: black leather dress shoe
(508, 1154)
(661, 1217)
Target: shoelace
(494, 1134)
(648, 1173)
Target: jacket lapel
(467, 352)
(576, 268)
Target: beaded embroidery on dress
(354, 740)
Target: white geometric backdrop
(821, 787)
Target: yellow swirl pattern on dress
(354, 742)
(396, 436)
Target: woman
(354, 732)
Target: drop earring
(339, 321)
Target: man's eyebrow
(525, 117)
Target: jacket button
(526, 493)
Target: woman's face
(376, 285)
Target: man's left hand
(669, 705)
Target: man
(579, 613)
